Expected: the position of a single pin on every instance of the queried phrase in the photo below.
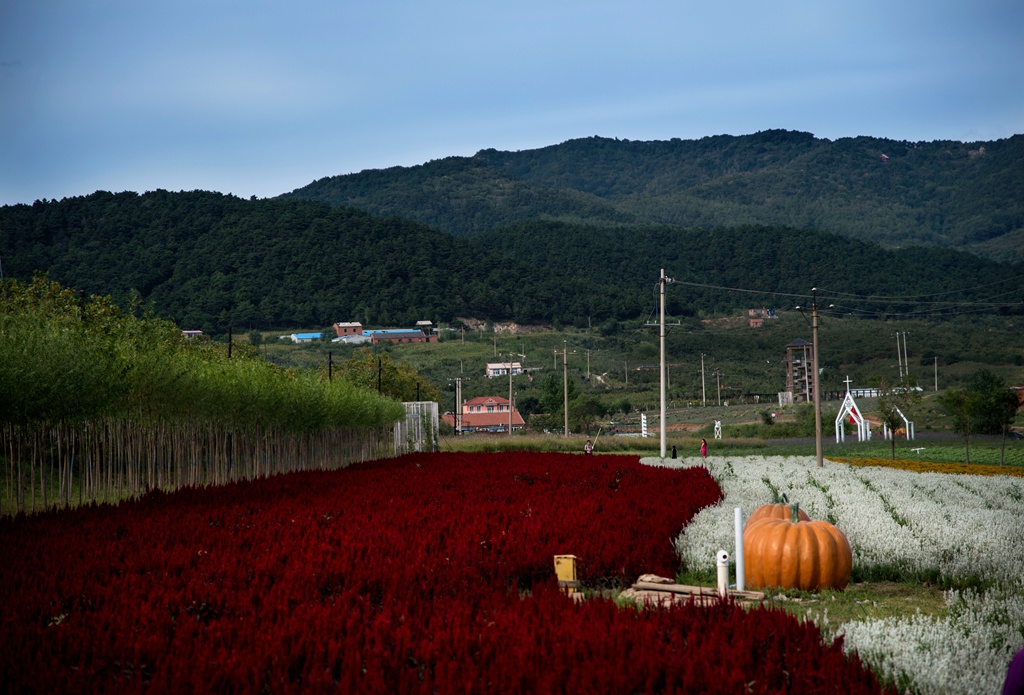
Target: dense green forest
(967, 196)
(213, 261)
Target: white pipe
(723, 573)
(739, 548)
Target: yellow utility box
(565, 570)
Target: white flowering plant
(964, 532)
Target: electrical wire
(893, 302)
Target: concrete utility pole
(510, 356)
(815, 382)
(565, 387)
(458, 405)
(906, 358)
(817, 379)
(899, 355)
(663, 281)
(703, 391)
(510, 395)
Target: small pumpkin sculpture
(795, 553)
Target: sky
(258, 98)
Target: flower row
(429, 573)
(965, 529)
(933, 467)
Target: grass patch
(862, 601)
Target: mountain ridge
(212, 261)
(896, 193)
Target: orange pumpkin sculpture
(776, 511)
(795, 554)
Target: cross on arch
(847, 381)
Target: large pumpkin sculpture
(776, 511)
(795, 554)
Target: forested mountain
(211, 261)
(968, 196)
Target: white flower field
(964, 531)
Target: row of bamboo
(98, 405)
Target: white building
(501, 369)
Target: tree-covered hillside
(896, 193)
(211, 261)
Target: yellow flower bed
(930, 467)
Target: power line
(944, 305)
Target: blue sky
(259, 98)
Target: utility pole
(510, 356)
(815, 383)
(458, 405)
(663, 280)
(817, 378)
(906, 358)
(703, 390)
(661, 334)
(899, 355)
(936, 362)
(565, 388)
(718, 377)
(510, 395)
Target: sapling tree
(896, 401)
(116, 405)
(961, 406)
(987, 406)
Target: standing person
(703, 448)
(588, 448)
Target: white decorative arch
(718, 429)
(849, 409)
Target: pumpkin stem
(796, 513)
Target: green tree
(897, 400)
(1007, 403)
(961, 406)
(584, 411)
(995, 403)
(552, 399)
(378, 372)
(993, 414)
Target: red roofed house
(487, 414)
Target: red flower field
(428, 573)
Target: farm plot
(963, 532)
(428, 573)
